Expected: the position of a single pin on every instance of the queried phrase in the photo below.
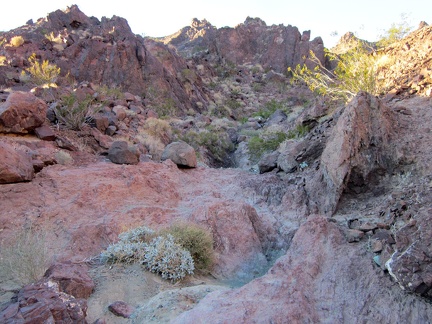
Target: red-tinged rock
(120, 153)
(43, 302)
(72, 279)
(15, 165)
(357, 152)
(120, 308)
(22, 112)
(181, 154)
(45, 133)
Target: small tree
(396, 32)
(356, 71)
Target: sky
(366, 18)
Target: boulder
(22, 112)
(357, 152)
(411, 264)
(122, 309)
(72, 279)
(44, 302)
(312, 283)
(45, 133)
(120, 153)
(181, 154)
(268, 162)
(15, 165)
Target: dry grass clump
(16, 41)
(159, 129)
(26, 258)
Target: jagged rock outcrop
(406, 64)
(57, 298)
(274, 47)
(311, 284)
(106, 52)
(358, 151)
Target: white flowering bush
(130, 247)
(167, 258)
(159, 254)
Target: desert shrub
(158, 254)
(74, 113)
(17, 41)
(396, 32)
(3, 60)
(159, 129)
(356, 71)
(166, 108)
(263, 143)
(197, 240)
(167, 258)
(270, 107)
(216, 142)
(26, 257)
(111, 92)
(298, 132)
(130, 248)
(54, 39)
(40, 74)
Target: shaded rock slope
(332, 225)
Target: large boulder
(15, 164)
(44, 302)
(181, 154)
(312, 283)
(120, 153)
(72, 278)
(21, 113)
(357, 152)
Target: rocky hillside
(323, 215)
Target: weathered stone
(274, 47)
(21, 113)
(120, 308)
(357, 152)
(268, 162)
(101, 122)
(72, 279)
(15, 165)
(353, 235)
(43, 302)
(411, 264)
(120, 153)
(45, 133)
(276, 118)
(181, 154)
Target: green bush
(260, 144)
(216, 142)
(74, 113)
(269, 108)
(298, 132)
(197, 240)
(396, 32)
(356, 71)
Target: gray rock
(268, 162)
(181, 154)
(120, 153)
